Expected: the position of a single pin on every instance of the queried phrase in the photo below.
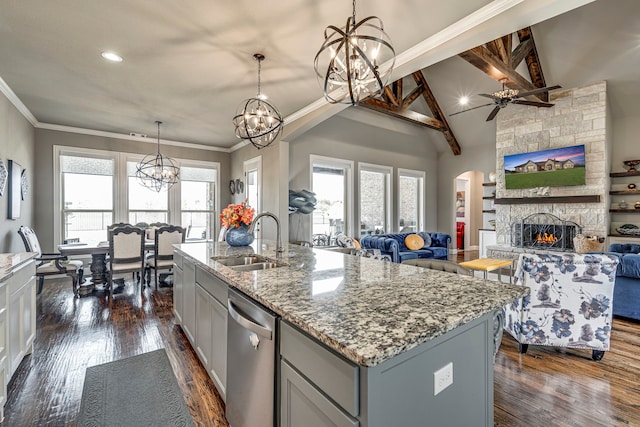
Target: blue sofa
(626, 293)
(393, 245)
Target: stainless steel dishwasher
(251, 360)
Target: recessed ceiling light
(464, 100)
(112, 56)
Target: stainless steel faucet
(279, 248)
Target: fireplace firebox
(544, 231)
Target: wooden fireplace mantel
(555, 199)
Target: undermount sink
(247, 262)
(255, 266)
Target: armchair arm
(57, 258)
(393, 247)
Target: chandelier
(157, 172)
(355, 61)
(257, 120)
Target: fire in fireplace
(546, 239)
(544, 231)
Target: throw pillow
(344, 241)
(427, 239)
(413, 242)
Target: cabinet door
(218, 364)
(189, 301)
(16, 345)
(204, 322)
(301, 404)
(178, 296)
(29, 315)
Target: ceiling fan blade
(493, 113)
(487, 95)
(539, 90)
(532, 103)
(469, 109)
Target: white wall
(16, 143)
(482, 160)
(406, 146)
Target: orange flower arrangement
(237, 215)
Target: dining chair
(162, 257)
(126, 253)
(51, 263)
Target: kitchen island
(361, 342)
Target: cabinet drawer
(334, 375)
(21, 277)
(212, 284)
(302, 404)
(177, 259)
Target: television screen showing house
(548, 168)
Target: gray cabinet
(189, 300)
(318, 387)
(211, 327)
(178, 287)
(303, 404)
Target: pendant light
(157, 172)
(257, 120)
(355, 61)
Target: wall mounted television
(555, 167)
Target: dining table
(98, 266)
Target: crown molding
(13, 98)
(70, 129)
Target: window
(197, 201)
(410, 200)
(87, 196)
(96, 188)
(375, 199)
(331, 182)
(144, 204)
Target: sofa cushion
(440, 253)
(630, 265)
(413, 242)
(625, 248)
(440, 240)
(427, 239)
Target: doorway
(467, 210)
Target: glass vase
(239, 236)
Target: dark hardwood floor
(73, 334)
(545, 387)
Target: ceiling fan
(507, 96)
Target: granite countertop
(11, 261)
(367, 310)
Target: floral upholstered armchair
(570, 304)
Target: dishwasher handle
(247, 323)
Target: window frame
(422, 177)
(388, 196)
(348, 166)
(120, 189)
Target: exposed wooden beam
(404, 114)
(390, 96)
(520, 52)
(501, 48)
(533, 61)
(433, 105)
(413, 95)
(490, 64)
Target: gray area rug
(137, 391)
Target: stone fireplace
(578, 117)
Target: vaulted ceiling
(190, 64)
